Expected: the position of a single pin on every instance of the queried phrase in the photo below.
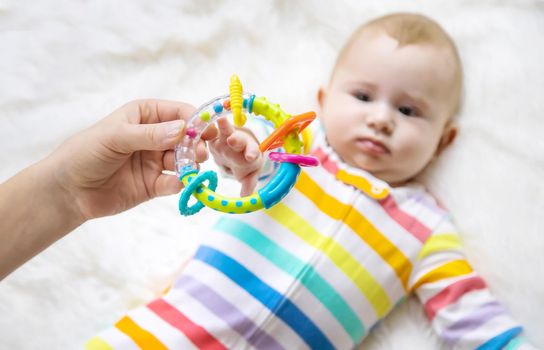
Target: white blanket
(66, 64)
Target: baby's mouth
(372, 146)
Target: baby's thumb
(150, 137)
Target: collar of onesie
(358, 178)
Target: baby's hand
(236, 151)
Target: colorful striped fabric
(317, 271)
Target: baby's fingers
(210, 133)
(252, 151)
(201, 152)
(238, 141)
(225, 128)
(248, 184)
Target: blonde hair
(413, 29)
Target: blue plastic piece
(188, 169)
(192, 186)
(250, 104)
(280, 185)
(218, 107)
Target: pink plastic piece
(293, 158)
(191, 132)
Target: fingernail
(252, 156)
(174, 128)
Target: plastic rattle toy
(286, 134)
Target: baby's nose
(381, 120)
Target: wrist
(57, 193)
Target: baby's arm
(457, 301)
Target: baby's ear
(321, 93)
(448, 136)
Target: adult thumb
(150, 137)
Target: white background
(66, 64)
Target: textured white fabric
(65, 64)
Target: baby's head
(390, 101)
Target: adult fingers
(168, 161)
(149, 111)
(130, 138)
(167, 184)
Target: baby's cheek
(423, 153)
(412, 150)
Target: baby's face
(386, 108)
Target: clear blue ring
(191, 187)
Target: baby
(354, 237)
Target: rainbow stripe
(196, 333)
(303, 272)
(230, 313)
(351, 217)
(279, 305)
(318, 270)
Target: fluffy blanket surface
(66, 64)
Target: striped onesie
(318, 270)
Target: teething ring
(194, 185)
(286, 134)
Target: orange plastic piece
(275, 139)
(226, 104)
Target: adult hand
(118, 162)
(103, 170)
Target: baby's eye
(361, 96)
(408, 111)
